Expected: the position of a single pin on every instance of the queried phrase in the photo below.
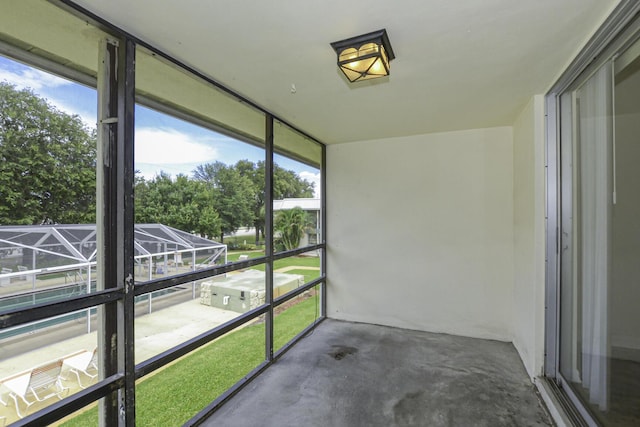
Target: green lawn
(294, 319)
(177, 392)
(302, 261)
(309, 275)
(232, 256)
(285, 262)
(243, 241)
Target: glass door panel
(600, 242)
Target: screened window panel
(290, 143)
(50, 32)
(161, 84)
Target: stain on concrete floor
(352, 374)
(339, 352)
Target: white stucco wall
(420, 232)
(529, 235)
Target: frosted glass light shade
(364, 57)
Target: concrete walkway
(155, 333)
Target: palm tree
(290, 224)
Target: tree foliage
(240, 191)
(232, 195)
(48, 174)
(290, 226)
(182, 203)
(218, 200)
(286, 184)
(47, 162)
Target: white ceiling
(460, 64)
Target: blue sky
(163, 143)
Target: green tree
(286, 184)
(233, 195)
(255, 173)
(182, 203)
(47, 162)
(289, 226)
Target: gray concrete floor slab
(353, 374)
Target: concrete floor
(353, 374)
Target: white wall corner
(540, 232)
(529, 235)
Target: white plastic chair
(85, 363)
(37, 385)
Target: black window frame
(118, 302)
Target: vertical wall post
(106, 233)
(114, 225)
(268, 228)
(126, 176)
(323, 215)
(552, 244)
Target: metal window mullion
(21, 316)
(297, 291)
(323, 231)
(297, 251)
(106, 234)
(115, 225)
(268, 228)
(126, 174)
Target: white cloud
(171, 147)
(32, 78)
(89, 119)
(39, 80)
(312, 177)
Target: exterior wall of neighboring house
(421, 232)
(312, 207)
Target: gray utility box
(245, 291)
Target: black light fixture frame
(379, 37)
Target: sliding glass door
(598, 330)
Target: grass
(290, 322)
(233, 256)
(302, 261)
(243, 241)
(289, 262)
(309, 275)
(177, 392)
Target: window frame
(117, 383)
(619, 31)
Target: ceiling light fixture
(364, 57)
